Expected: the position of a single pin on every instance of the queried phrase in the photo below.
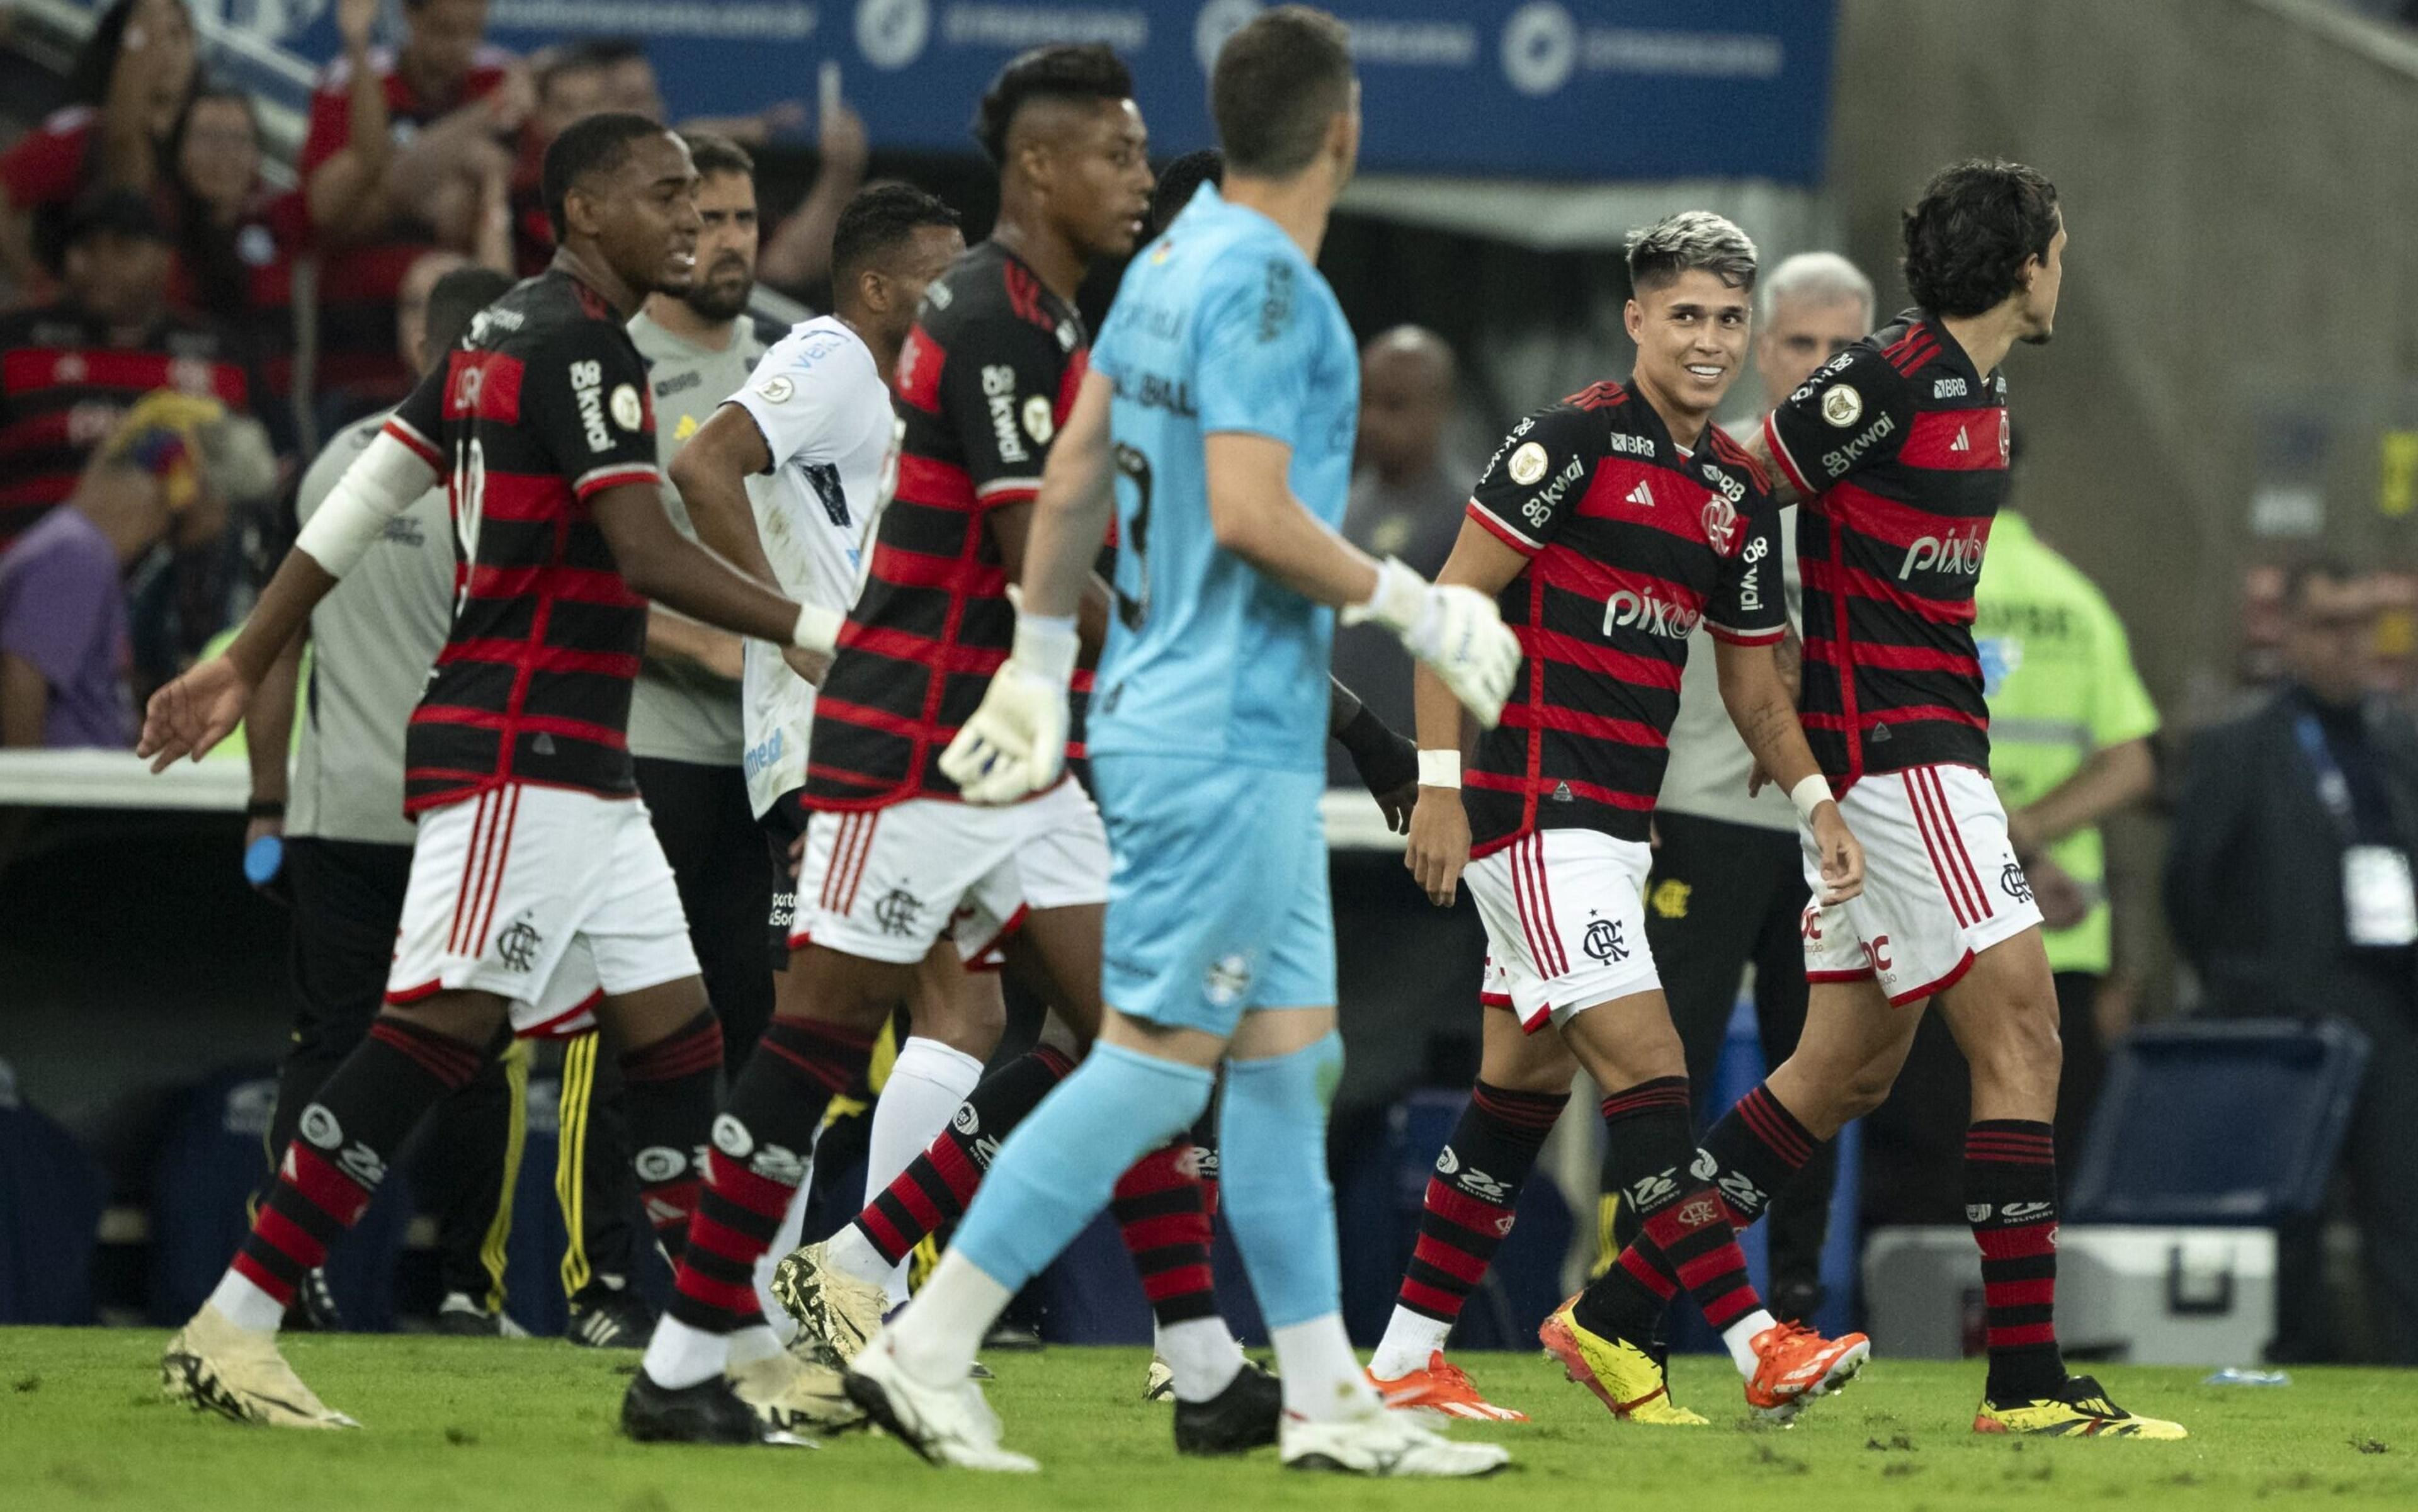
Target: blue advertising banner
(1566, 89)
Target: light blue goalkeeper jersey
(1221, 326)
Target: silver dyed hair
(1817, 278)
(1690, 241)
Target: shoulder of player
(821, 350)
(989, 293)
(1722, 451)
(341, 449)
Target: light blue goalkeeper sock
(1272, 1137)
(1062, 1164)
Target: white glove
(1015, 741)
(1456, 631)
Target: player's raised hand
(1456, 631)
(1842, 857)
(194, 714)
(1439, 847)
(1015, 741)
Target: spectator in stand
(2289, 887)
(74, 366)
(236, 240)
(568, 82)
(65, 648)
(631, 84)
(1407, 501)
(407, 148)
(614, 73)
(125, 92)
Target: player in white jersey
(787, 477)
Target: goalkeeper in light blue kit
(1226, 452)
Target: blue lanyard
(2333, 790)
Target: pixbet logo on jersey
(1628, 610)
(1958, 553)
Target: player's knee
(1274, 1122)
(2021, 1053)
(967, 1018)
(471, 1018)
(1862, 1092)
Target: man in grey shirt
(1406, 502)
(347, 847)
(1729, 884)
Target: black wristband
(264, 808)
(1387, 762)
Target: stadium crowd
(185, 332)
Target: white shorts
(884, 884)
(545, 895)
(1941, 885)
(1565, 916)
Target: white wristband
(816, 630)
(1439, 769)
(1810, 795)
(1048, 645)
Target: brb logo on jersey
(1628, 610)
(1960, 554)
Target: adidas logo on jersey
(1961, 443)
(1642, 495)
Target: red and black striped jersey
(982, 383)
(1633, 541)
(543, 406)
(1900, 448)
(65, 382)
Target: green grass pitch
(529, 1427)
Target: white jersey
(825, 415)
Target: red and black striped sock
(1163, 1214)
(2010, 1200)
(761, 1141)
(936, 1185)
(670, 1105)
(1469, 1198)
(346, 1140)
(1757, 1148)
(1684, 1239)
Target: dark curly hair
(1068, 70)
(1967, 237)
(876, 222)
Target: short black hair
(105, 209)
(1180, 181)
(592, 144)
(714, 153)
(1967, 237)
(456, 297)
(1068, 70)
(605, 52)
(1277, 82)
(875, 222)
(2322, 568)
